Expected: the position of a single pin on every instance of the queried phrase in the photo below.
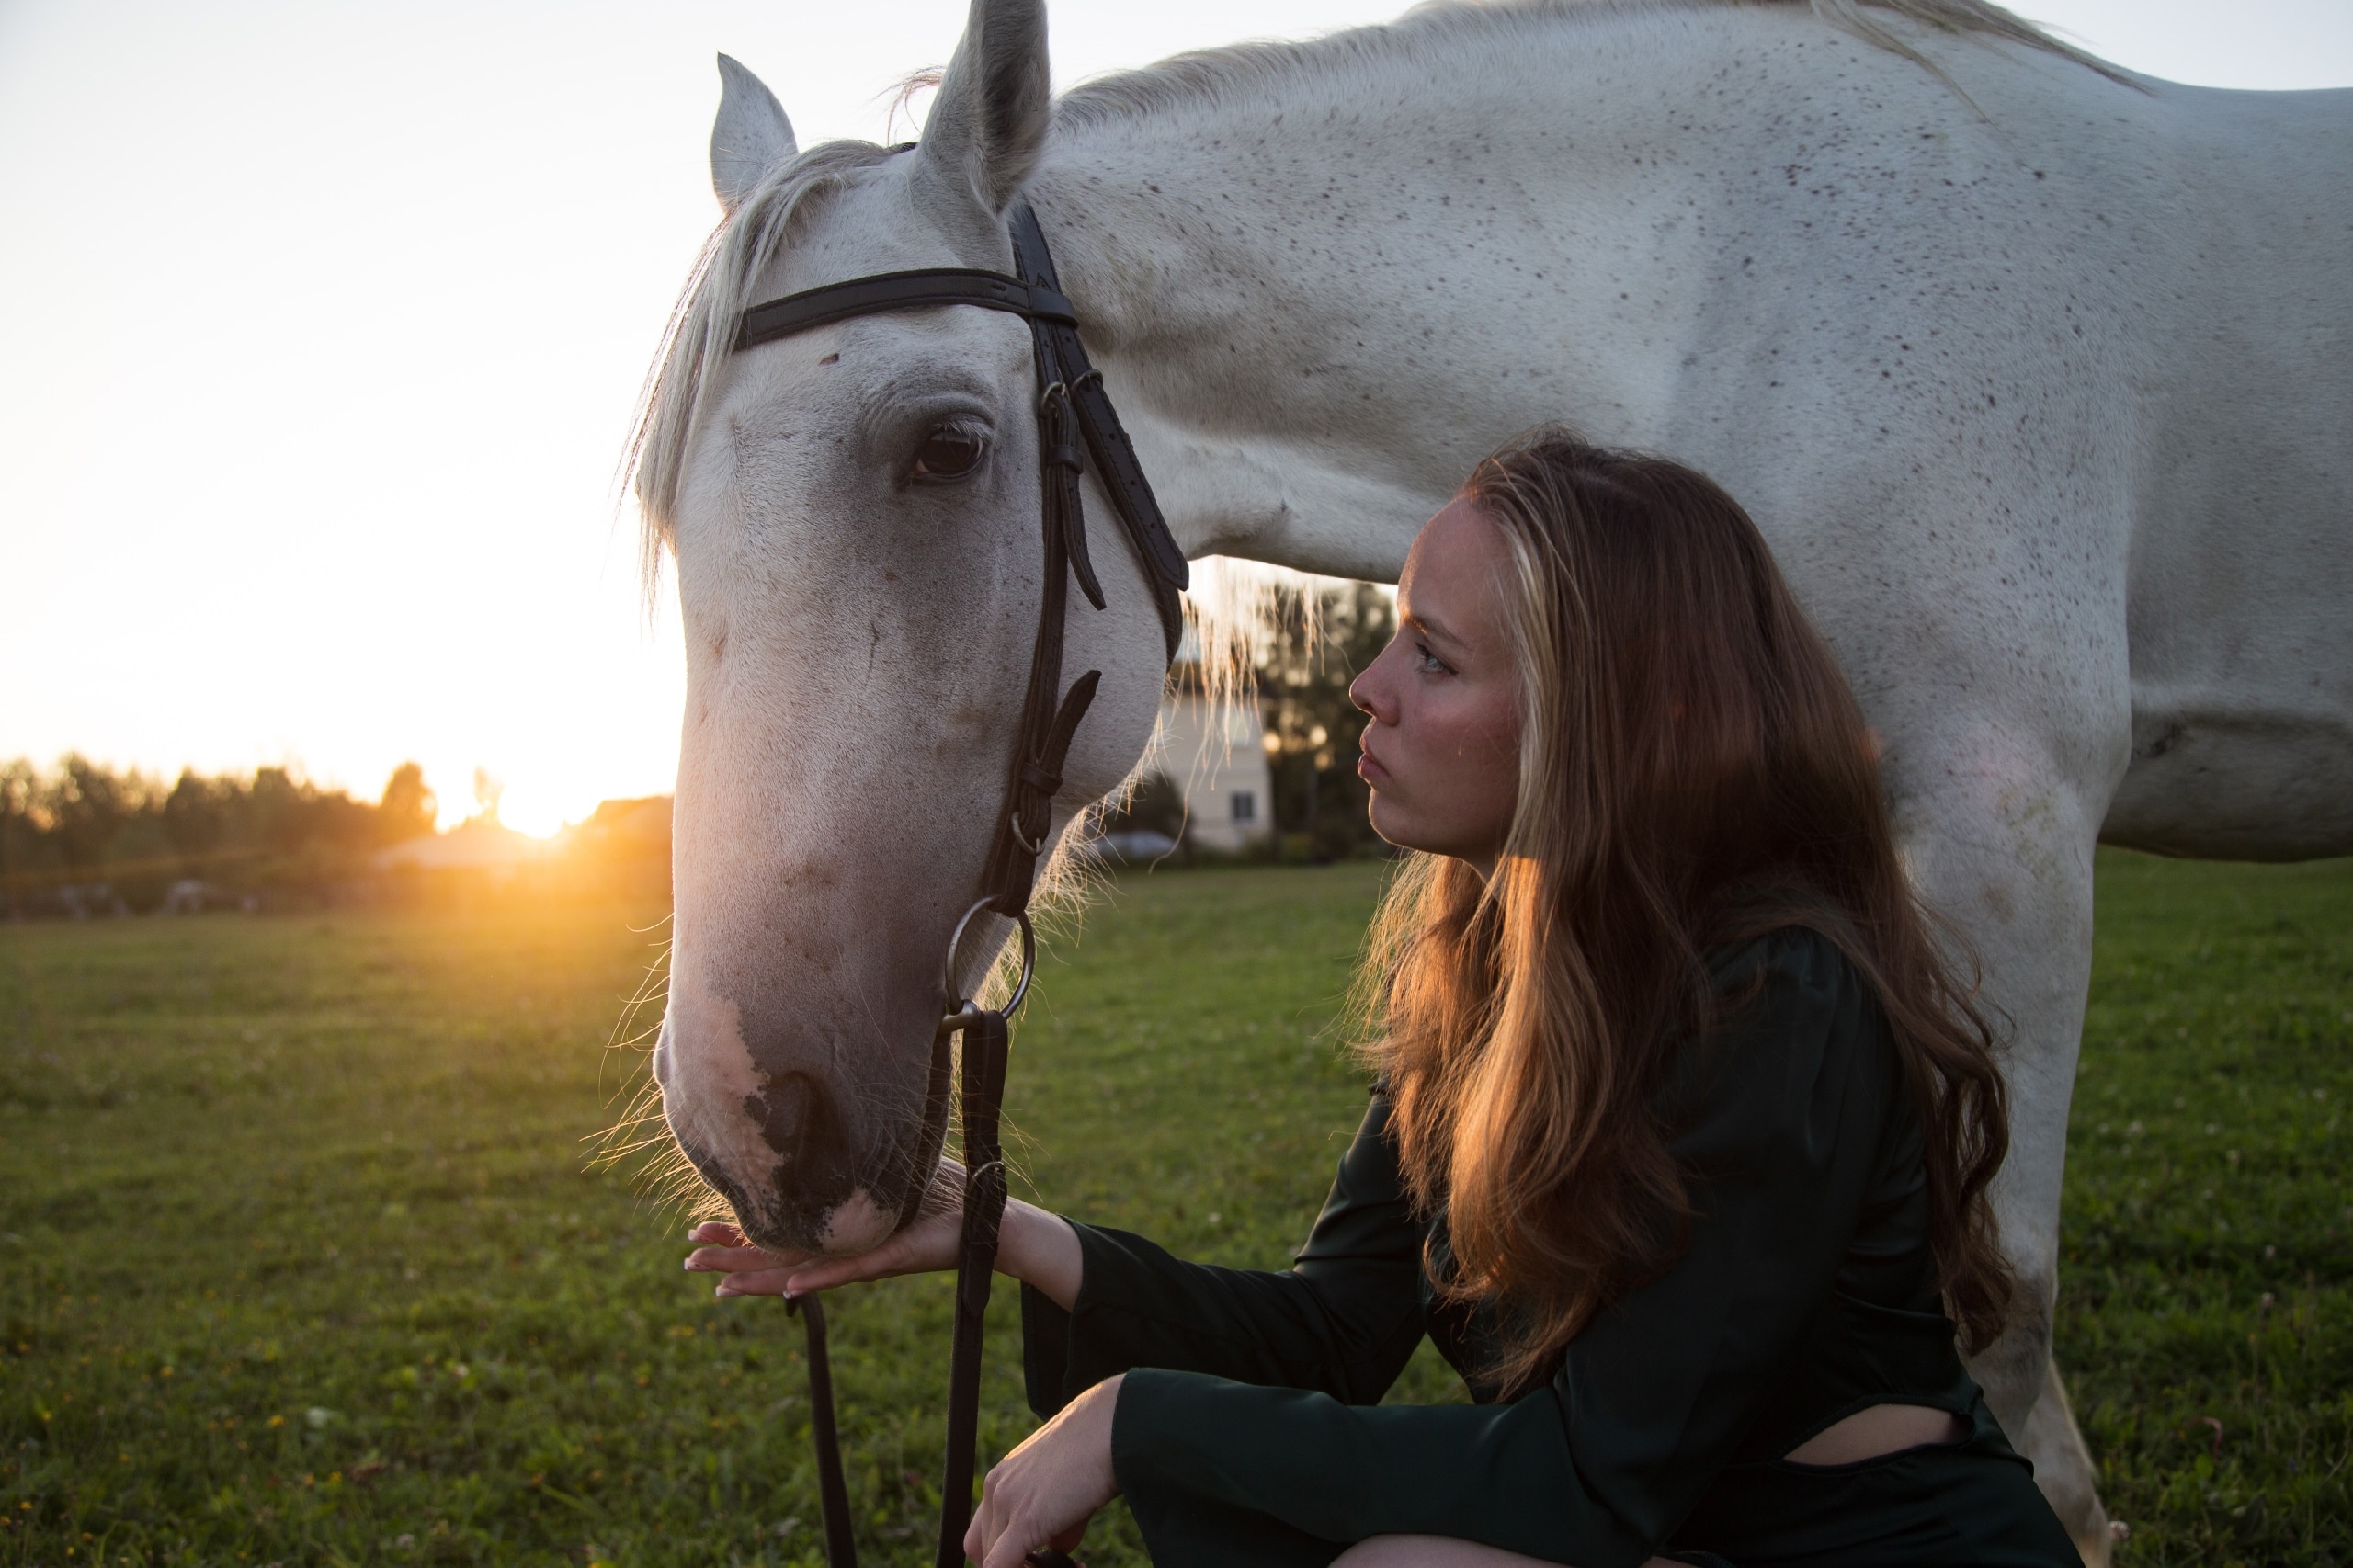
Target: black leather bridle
(1075, 423)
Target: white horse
(2039, 377)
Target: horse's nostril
(782, 1109)
(796, 1120)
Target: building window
(1243, 805)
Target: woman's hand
(1044, 1492)
(1033, 1246)
(928, 1243)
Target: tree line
(79, 833)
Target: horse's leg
(2063, 1464)
(2000, 832)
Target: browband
(902, 291)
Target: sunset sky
(321, 325)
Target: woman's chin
(1394, 827)
(1400, 830)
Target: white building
(1214, 753)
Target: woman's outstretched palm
(926, 1244)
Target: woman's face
(1441, 753)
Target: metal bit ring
(961, 1011)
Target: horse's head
(854, 512)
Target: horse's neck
(1321, 298)
(1213, 358)
(1300, 297)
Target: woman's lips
(1368, 766)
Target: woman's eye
(1427, 661)
(949, 453)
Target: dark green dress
(1249, 1432)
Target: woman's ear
(990, 118)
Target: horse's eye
(949, 453)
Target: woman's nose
(1365, 691)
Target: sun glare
(534, 806)
(540, 812)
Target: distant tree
(20, 783)
(339, 823)
(277, 812)
(293, 818)
(20, 834)
(198, 815)
(1315, 649)
(87, 806)
(408, 809)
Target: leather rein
(1075, 423)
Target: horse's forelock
(702, 325)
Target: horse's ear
(750, 137)
(989, 118)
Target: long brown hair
(1693, 770)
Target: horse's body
(2041, 383)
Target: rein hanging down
(1070, 391)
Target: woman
(1680, 1141)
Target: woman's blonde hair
(1693, 771)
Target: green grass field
(302, 1260)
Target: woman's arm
(1041, 1251)
(1344, 1319)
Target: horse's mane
(1223, 74)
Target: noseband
(1075, 423)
